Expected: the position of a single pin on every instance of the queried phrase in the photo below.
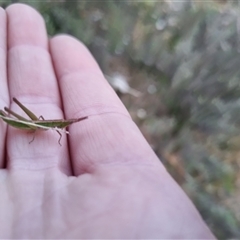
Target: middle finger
(32, 80)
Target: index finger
(108, 136)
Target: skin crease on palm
(105, 181)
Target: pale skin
(104, 182)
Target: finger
(32, 81)
(4, 97)
(108, 135)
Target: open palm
(104, 181)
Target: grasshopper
(35, 123)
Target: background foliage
(184, 58)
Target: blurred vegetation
(184, 58)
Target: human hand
(105, 181)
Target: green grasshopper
(35, 123)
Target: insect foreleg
(34, 133)
(59, 141)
